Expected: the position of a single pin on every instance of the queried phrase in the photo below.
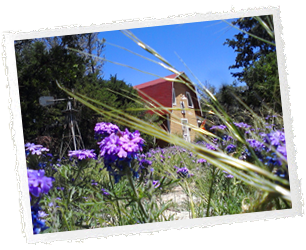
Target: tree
(263, 83)
(248, 48)
(91, 44)
(257, 58)
(38, 68)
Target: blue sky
(199, 45)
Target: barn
(182, 99)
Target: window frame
(173, 96)
(182, 105)
(188, 96)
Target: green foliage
(261, 94)
(38, 68)
(263, 83)
(41, 62)
(227, 96)
(258, 62)
(77, 201)
(249, 49)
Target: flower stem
(193, 214)
(286, 203)
(117, 203)
(137, 195)
(210, 191)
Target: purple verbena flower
(282, 150)
(211, 147)
(156, 184)
(121, 145)
(37, 223)
(258, 146)
(227, 175)
(38, 182)
(230, 148)
(106, 128)
(94, 183)
(42, 214)
(34, 149)
(275, 138)
(82, 154)
(220, 127)
(104, 191)
(242, 125)
(145, 162)
(201, 161)
(183, 172)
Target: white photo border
(17, 129)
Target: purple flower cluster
(34, 149)
(227, 175)
(242, 125)
(122, 145)
(258, 146)
(82, 154)
(230, 148)
(275, 138)
(183, 172)
(37, 221)
(105, 129)
(156, 184)
(264, 144)
(145, 162)
(239, 125)
(211, 147)
(119, 148)
(104, 191)
(201, 160)
(94, 183)
(219, 127)
(38, 183)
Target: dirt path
(178, 196)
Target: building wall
(160, 93)
(175, 128)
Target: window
(183, 108)
(190, 103)
(185, 128)
(173, 97)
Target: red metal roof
(160, 90)
(154, 82)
